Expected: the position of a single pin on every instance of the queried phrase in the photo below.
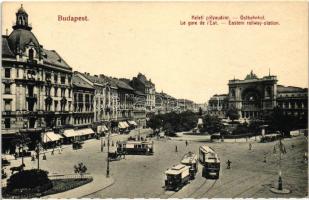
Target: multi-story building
(142, 84)
(36, 85)
(293, 100)
(253, 97)
(218, 105)
(165, 103)
(83, 106)
(185, 105)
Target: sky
(121, 39)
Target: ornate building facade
(218, 104)
(253, 95)
(36, 85)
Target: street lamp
(107, 167)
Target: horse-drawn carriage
(116, 155)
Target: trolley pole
(101, 144)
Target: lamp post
(107, 167)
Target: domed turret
(21, 19)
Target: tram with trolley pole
(136, 147)
(210, 161)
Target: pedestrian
(104, 143)
(228, 164)
(274, 151)
(176, 149)
(186, 143)
(250, 146)
(264, 158)
(52, 153)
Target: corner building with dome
(36, 86)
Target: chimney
(6, 32)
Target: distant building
(218, 105)
(142, 84)
(293, 100)
(253, 97)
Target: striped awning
(104, 128)
(84, 131)
(132, 123)
(122, 125)
(70, 133)
(50, 137)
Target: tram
(190, 160)
(136, 147)
(177, 177)
(210, 161)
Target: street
(139, 176)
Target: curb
(111, 184)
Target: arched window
(31, 53)
(233, 93)
(268, 92)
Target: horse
(18, 169)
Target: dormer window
(31, 54)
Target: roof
(178, 169)
(53, 58)
(19, 38)
(142, 78)
(79, 82)
(122, 84)
(189, 158)
(290, 89)
(6, 51)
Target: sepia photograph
(161, 100)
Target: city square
(249, 176)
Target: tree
(232, 113)
(80, 169)
(21, 141)
(278, 121)
(211, 124)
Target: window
(47, 91)
(7, 89)
(48, 76)
(56, 105)
(56, 91)
(7, 123)
(62, 79)
(56, 78)
(7, 105)
(7, 73)
(62, 92)
(69, 93)
(31, 52)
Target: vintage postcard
(154, 100)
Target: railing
(68, 176)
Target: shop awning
(121, 125)
(126, 124)
(50, 137)
(132, 123)
(85, 131)
(70, 133)
(104, 128)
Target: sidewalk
(99, 182)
